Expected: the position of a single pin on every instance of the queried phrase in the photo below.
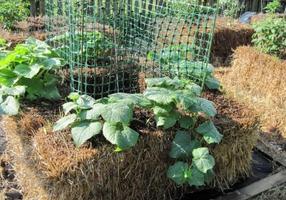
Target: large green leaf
(7, 77)
(27, 71)
(74, 96)
(202, 159)
(85, 101)
(183, 145)
(84, 131)
(194, 89)
(135, 99)
(69, 106)
(50, 92)
(51, 63)
(64, 122)
(205, 106)
(117, 112)
(94, 113)
(13, 91)
(120, 135)
(209, 132)
(162, 110)
(179, 172)
(212, 83)
(187, 122)
(167, 121)
(159, 95)
(197, 178)
(184, 101)
(10, 106)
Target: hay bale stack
(258, 79)
(60, 171)
(228, 35)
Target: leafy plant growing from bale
(88, 44)
(28, 70)
(176, 105)
(172, 61)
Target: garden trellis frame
(110, 44)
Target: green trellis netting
(110, 44)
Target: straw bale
(258, 80)
(48, 165)
(228, 35)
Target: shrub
(273, 6)
(270, 35)
(12, 11)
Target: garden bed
(61, 171)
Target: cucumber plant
(177, 61)
(29, 71)
(176, 105)
(86, 44)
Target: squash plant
(177, 61)
(28, 71)
(176, 105)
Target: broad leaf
(27, 71)
(51, 63)
(167, 121)
(69, 106)
(212, 83)
(84, 131)
(194, 88)
(159, 95)
(204, 106)
(183, 145)
(197, 178)
(186, 122)
(179, 172)
(85, 102)
(13, 91)
(64, 122)
(117, 112)
(50, 92)
(7, 77)
(94, 113)
(135, 99)
(74, 96)
(120, 135)
(209, 132)
(10, 106)
(162, 110)
(202, 159)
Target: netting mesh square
(111, 44)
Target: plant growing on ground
(176, 60)
(87, 44)
(273, 6)
(30, 66)
(176, 105)
(270, 35)
(12, 11)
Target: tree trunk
(42, 7)
(33, 8)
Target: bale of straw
(50, 167)
(258, 79)
(228, 35)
